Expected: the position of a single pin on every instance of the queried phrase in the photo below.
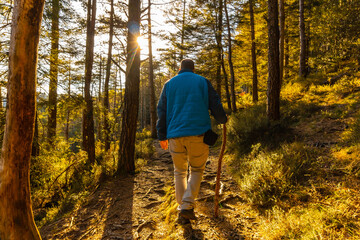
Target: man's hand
(164, 144)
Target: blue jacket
(184, 104)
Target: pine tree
(126, 162)
(303, 64)
(273, 88)
(88, 124)
(107, 79)
(54, 63)
(253, 53)
(153, 115)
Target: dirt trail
(129, 208)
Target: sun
(142, 42)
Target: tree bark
(68, 110)
(255, 94)
(218, 36)
(54, 62)
(282, 38)
(153, 115)
(302, 67)
(273, 90)
(126, 162)
(286, 57)
(107, 79)
(100, 102)
(16, 217)
(88, 123)
(231, 65)
(226, 81)
(182, 31)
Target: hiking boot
(188, 214)
(182, 221)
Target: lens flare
(142, 41)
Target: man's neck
(185, 70)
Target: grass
(300, 191)
(61, 180)
(169, 212)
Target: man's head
(187, 64)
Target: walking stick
(217, 187)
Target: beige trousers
(188, 150)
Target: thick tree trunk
(54, 62)
(302, 67)
(231, 65)
(153, 115)
(126, 162)
(16, 217)
(88, 123)
(282, 38)
(107, 79)
(255, 95)
(273, 90)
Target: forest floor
(140, 206)
(132, 208)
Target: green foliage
(144, 147)
(267, 176)
(58, 178)
(251, 126)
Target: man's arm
(161, 110)
(215, 105)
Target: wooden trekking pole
(217, 187)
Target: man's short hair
(187, 64)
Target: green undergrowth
(267, 177)
(300, 190)
(61, 179)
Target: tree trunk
(54, 62)
(218, 36)
(182, 31)
(16, 217)
(126, 162)
(88, 124)
(273, 90)
(231, 66)
(68, 110)
(153, 115)
(287, 57)
(107, 79)
(255, 95)
(302, 68)
(282, 38)
(226, 81)
(100, 102)
(142, 112)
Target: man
(183, 118)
